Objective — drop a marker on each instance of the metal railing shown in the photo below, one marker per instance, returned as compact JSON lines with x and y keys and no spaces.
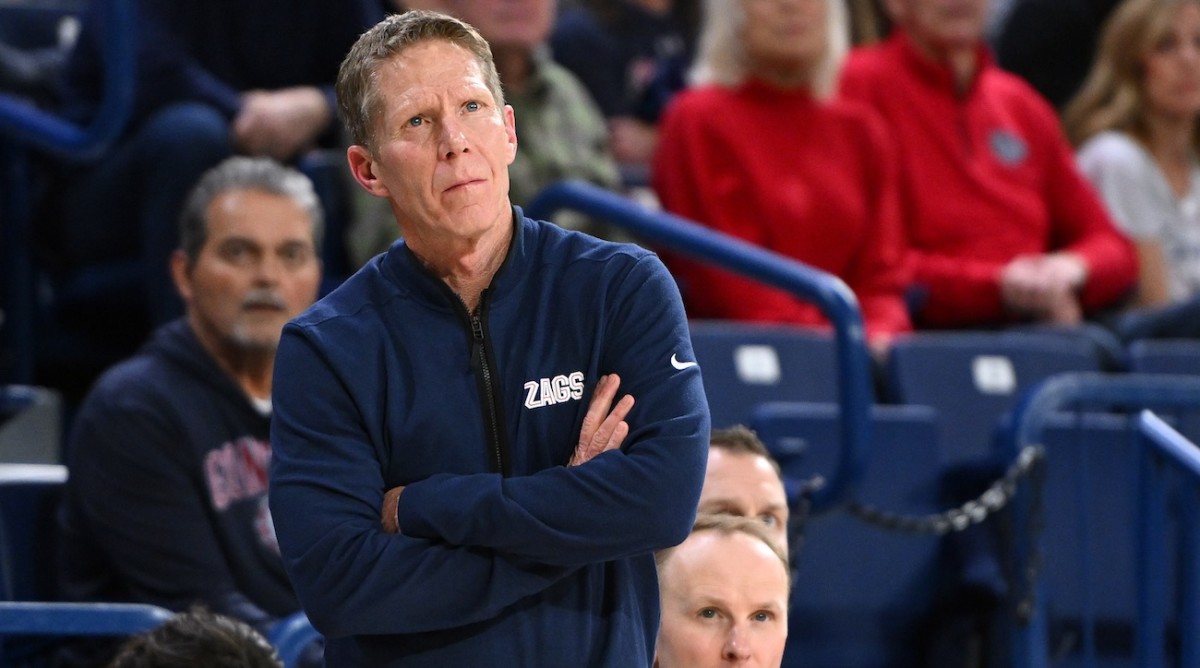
{"x":1168,"y":467}
{"x":826,"y":291}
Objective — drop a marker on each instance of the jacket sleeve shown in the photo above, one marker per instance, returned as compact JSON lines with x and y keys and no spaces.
{"x":1083,"y":225}
{"x":879,"y":273}
{"x":326,"y":492}
{"x":621,"y":503}
{"x":146,"y":508}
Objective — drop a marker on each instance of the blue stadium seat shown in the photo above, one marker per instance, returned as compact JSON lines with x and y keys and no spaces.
{"x":861,"y":592}
{"x":1100,"y":480}
{"x":1088,"y":561}
{"x":29,"y":496}
{"x":974,"y":379}
{"x":746,"y":364}
{"x":1171,"y":356}
{"x":291,"y":636}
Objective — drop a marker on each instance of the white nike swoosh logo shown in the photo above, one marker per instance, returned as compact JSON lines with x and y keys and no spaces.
{"x":680,"y":365}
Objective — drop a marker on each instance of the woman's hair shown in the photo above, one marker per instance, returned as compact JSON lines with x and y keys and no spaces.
{"x":1113,"y":95}
{"x":721,"y":55}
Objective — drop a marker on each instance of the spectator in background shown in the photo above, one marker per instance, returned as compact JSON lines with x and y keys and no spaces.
{"x":632,"y":55}
{"x":167,"y":499}
{"x":213,"y":78}
{"x":758,"y":149}
{"x":724,"y":596}
{"x":561,"y":131}
{"x":1136,"y":123}
{"x":198,"y":638}
{"x":743,"y":479}
{"x":446,"y":481}
{"x":1001,"y":225}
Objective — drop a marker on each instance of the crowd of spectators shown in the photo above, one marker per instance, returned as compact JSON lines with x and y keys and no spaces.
{"x":883,"y":142}
{"x":937,"y":184}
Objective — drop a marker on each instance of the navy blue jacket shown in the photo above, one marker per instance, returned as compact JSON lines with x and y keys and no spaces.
{"x":166,"y":502}
{"x":506,"y":556}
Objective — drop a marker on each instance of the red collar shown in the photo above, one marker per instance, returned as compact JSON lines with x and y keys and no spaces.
{"x":934,"y":72}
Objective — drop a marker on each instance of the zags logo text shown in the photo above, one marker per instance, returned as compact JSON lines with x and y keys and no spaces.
{"x":550,"y":391}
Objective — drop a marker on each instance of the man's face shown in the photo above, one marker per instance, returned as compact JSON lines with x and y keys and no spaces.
{"x":942,"y":24}
{"x":724,"y":603}
{"x":503,"y":23}
{"x":443,"y":146}
{"x":746,"y":485}
{"x":257,"y":270}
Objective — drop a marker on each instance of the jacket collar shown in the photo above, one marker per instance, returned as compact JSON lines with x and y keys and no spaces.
{"x":934,"y":72}
{"x":415,"y":279}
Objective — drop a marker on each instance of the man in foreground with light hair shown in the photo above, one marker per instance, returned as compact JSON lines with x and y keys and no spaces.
{"x":453,"y":484}
{"x":724,"y":597}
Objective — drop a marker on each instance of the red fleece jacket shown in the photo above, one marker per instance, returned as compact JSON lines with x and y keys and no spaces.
{"x":807,"y":179}
{"x":986,"y":175}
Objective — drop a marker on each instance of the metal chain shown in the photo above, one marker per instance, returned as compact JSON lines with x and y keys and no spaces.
{"x":994,"y":499}
{"x":1027,"y":466}
{"x":1025,"y":591}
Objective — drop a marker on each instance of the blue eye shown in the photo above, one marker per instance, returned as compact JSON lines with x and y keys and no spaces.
{"x":473,"y":106}
{"x":415,"y":121}
{"x":708,"y":613}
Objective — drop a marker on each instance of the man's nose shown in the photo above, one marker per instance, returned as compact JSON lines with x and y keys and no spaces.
{"x":454,"y":139}
{"x":737,"y":644}
{"x":268,"y":269}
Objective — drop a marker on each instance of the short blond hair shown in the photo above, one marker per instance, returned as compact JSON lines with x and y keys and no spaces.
{"x":731,"y":525}
{"x":359,"y":101}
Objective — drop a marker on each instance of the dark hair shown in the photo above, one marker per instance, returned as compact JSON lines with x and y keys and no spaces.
{"x":359,"y":100}
{"x":740,"y":439}
{"x":198,"y":638}
{"x":243,"y":173}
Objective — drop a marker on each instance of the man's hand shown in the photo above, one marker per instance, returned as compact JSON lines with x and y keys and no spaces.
{"x":603,"y":430}
{"x":1045,"y":286}
{"x":280,"y":123}
{"x":632,"y":141}
{"x":391,"y":499}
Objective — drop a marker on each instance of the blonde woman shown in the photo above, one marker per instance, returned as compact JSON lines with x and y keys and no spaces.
{"x":757,"y":148}
{"x":1135,"y":122}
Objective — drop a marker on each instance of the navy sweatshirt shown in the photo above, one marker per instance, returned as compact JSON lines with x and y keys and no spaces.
{"x":166,"y":501}
{"x":506,"y":556}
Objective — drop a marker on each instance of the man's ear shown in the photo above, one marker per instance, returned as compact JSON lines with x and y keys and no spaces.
{"x":180,"y":275}
{"x":510,"y":128}
{"x":362,"y":166}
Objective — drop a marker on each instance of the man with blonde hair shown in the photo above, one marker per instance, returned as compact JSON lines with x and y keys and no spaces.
{"x":453,"y":484}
